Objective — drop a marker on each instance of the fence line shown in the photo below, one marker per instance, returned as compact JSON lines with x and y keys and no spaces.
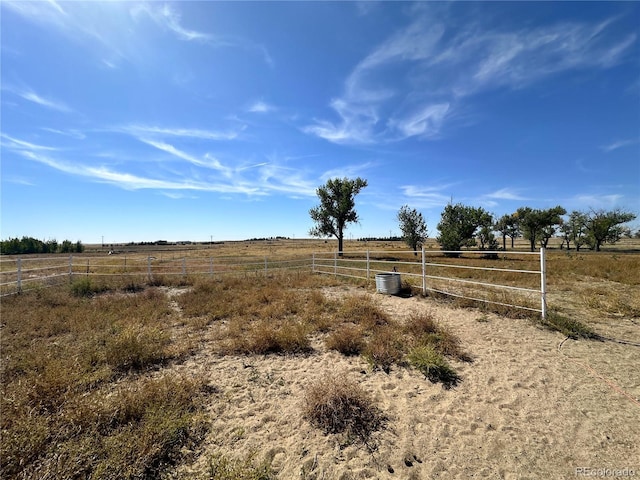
{"x":14,"y":280}
{"x":373,"y":262}
{"x":358,"y":265}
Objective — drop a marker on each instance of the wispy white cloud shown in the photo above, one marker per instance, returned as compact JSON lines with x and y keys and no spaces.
{"x":16,"y":144}
{"x":414,"y":83}
{"x":146,"y":130}
{"x":111,"y":30}
{"x":427,"y":196}
{"x":260,"y":107}
{"x":348,"y":171}
{"x":170,"y":19}
{"x":77,"y":134}
{"x":208,"y":162}
{"x":505,"y":194}
{"x":208,"y":173}
{"x":619,"y":144}
{"x":31,"y":96}
{"x":586,"y":201}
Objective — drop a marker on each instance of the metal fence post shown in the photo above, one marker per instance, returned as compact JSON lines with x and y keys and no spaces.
{"x":543,"y":283}
{"x":424,"y":274}
{"x":313,"y":262}
{"x":335,"y":263}
{"x":149,"y":268}
{"x":265,"y":265}
{"x":19,"y":275}
{"x":368,"y":267}
{"x":70,"y":268}
{"x":211,"y":266}
{"x":184,"y":266}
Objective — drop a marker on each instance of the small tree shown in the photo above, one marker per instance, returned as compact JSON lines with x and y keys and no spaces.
{"x":507,"y":225}
{"x":574,"y":229}
{"x":336,"y":209}
{"x":458,"y":225}
{"x":539,"y":225}
{"x":413,"y":227}
{"x":606,"y":227}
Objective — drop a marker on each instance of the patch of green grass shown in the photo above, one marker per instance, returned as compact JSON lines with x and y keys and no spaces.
{"x":221,"y":467}
{"x":567,"y":326}
{"x":433,"y":365}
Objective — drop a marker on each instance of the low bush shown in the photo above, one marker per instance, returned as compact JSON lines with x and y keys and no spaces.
{"x":384,"y":348}
{"x":338,"y":405}
{"x":347,"y":339}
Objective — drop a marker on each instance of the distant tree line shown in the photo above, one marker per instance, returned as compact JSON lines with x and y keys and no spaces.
{"x":24,"y":245}
{"x":463,"y":226}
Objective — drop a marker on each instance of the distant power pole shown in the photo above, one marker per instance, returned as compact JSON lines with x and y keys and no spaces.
{"x":102,"y":241}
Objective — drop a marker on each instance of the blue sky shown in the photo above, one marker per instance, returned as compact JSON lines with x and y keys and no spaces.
{"x":199,"y":120}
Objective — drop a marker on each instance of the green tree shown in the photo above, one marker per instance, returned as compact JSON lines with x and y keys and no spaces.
{"x":508,"y":226}
{"x":573,"y":229}
{"x":539,"y":225}
{"x":336,"y":209}
{"x":606,"y":226}
{"x":413,"y":227}
{"x":458,"y":226}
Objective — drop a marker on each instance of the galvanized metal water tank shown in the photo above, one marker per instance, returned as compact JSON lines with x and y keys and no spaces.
{"x":388,"y":283}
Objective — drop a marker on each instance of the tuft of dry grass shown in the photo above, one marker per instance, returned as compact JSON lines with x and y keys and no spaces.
{"x":347,"y":339}
{"x":423,"y":330}
{"x":338,"y":405}
{"x":385,"y":348}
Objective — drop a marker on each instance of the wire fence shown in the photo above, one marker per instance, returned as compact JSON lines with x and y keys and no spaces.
{"x":508,"y":278}
{"x":24,"y":274}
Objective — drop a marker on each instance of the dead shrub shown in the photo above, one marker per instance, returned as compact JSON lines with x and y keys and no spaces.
{"x":420,"y":324}
{"x":347,"y":339}
{"x":265,"y":336}
{"x":362,"y":310}
{"x":384,"y":348}
{"x":338,"y":405}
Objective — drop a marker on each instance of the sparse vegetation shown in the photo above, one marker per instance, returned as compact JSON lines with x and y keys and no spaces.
{"x":336,"y":404}
{"x":87,"y":388}
{"x":433,"y":365}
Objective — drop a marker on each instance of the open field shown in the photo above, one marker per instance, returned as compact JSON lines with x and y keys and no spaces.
{"x":226,"y":377}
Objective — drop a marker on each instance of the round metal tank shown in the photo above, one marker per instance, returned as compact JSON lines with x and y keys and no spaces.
{"x":388,"y":283}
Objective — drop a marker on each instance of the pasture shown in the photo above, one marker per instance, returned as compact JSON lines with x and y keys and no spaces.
{"x":288,"y":374}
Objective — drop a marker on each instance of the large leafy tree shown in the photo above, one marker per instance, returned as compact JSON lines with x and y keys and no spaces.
{"x":458,"y":226}
{"x":606,"y":226}
{"x":413,"y":227}
{"x":336,"y":209}
{"x":539,"y":225}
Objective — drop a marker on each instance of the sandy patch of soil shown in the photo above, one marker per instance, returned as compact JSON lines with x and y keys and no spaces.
{"x":531,"y":405}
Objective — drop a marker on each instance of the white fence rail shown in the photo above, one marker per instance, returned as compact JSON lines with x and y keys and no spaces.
{"x":23,"y":274}
{"x":441,"y":277}
{"x":492,"y":280}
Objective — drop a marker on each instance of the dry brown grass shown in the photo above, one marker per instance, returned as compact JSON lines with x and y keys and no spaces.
{"x":73,"y":402}
{"x":336,"y":404}
{"x":84,"y":387}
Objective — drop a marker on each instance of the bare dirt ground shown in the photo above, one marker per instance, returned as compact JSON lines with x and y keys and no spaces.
{"x":532,"y":404}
